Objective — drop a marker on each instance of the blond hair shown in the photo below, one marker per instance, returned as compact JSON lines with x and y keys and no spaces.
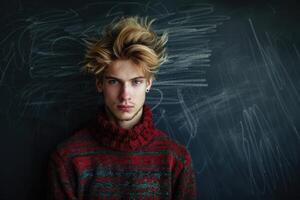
{"x":128,"y":38}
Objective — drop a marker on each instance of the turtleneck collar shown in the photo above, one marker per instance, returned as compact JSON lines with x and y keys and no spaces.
{"x":113,"y":136}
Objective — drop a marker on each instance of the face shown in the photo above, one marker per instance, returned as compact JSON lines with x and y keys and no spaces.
{"x":124,"y":91}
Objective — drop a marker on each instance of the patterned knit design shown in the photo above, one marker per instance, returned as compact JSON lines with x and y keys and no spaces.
{"x":104,"y":161}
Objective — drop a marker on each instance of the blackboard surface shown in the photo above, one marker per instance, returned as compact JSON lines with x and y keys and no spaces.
{"x":230,"y":91}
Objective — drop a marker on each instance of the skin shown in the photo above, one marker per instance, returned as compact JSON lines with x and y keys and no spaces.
{"x":124,"y":84}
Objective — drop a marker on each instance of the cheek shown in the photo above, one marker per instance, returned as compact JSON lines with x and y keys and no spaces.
{"x":110,"y":92}
{"x":140,"y":94}
{"x":138,"y":91}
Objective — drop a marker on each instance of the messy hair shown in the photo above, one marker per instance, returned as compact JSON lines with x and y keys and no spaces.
{"x":128,"y":38}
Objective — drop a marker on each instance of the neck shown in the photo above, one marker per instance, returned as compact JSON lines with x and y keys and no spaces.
{"x":126,"y":124}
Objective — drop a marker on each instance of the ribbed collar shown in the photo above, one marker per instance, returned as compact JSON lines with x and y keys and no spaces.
{"x":113,"y":136}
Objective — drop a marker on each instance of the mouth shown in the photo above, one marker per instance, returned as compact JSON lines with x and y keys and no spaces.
{"x":124,"y":108}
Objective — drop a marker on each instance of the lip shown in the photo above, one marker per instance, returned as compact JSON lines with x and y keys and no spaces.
{"x":124,"y":108}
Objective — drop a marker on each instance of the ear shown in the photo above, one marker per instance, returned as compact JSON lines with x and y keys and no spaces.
{"x":99,"y":85}
{"x":149,"y":83}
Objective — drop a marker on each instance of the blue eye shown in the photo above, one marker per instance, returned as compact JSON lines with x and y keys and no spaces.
{"x":112,"y":82}
{"x":137,"y":82}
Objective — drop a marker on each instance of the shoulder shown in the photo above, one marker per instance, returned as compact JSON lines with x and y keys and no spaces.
{"x":173,"y":147}
{"x":78,"y":143}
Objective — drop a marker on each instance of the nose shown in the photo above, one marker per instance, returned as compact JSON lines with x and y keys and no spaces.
{"x":125,"y":93}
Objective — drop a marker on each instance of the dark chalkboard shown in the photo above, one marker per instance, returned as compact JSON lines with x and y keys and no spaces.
{"x":229,"y":91}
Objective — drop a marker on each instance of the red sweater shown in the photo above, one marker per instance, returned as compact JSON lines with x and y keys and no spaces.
{"x":104,"y":161}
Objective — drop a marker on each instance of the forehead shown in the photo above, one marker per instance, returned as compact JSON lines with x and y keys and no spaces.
{"x":124,"y":69}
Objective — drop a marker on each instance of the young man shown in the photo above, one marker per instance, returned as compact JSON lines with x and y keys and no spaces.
{"x":121,"y":155}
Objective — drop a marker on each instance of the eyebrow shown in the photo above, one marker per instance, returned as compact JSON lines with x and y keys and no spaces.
{"x":112,"y":77}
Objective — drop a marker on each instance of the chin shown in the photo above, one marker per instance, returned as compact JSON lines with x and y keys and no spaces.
{"x":127,"y":115}
{"x":124,"y":116}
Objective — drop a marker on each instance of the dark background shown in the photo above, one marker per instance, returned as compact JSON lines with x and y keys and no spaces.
{"x":229,"y":92}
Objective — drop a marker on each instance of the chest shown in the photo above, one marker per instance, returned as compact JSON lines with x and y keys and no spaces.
{"x":130,"y":176}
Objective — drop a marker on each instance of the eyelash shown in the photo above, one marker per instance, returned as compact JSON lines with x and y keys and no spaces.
{"x":134,"y":82}
{"x":112,"y":82}
{"x":137,"y":82}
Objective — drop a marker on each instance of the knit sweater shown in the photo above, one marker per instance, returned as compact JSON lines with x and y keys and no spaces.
{"x":105,"y":161}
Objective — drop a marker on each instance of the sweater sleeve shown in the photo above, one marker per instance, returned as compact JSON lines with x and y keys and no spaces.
{"x":61,"y":179}
{"x":185,"y":185}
